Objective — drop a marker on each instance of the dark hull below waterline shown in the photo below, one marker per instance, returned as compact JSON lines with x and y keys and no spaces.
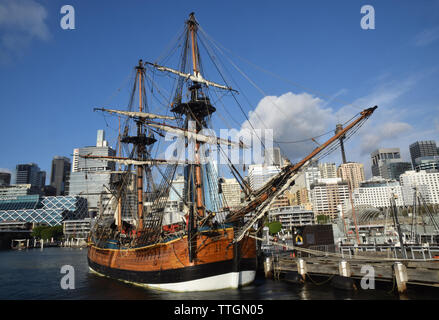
{"x":181,"y":275}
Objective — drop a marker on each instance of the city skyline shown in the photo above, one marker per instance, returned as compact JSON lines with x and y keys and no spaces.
{"x":397,"y":73}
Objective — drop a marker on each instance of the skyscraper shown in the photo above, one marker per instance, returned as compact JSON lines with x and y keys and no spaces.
{"x":258,"y":175}
{"x":59,"y":174}
{"x":387,"y":163}
{"x":5,"y":178}
{"x":273,"y":157}
{"x":422,"y":149}
{"x":30,"y":174}
{"x":91,"y":178}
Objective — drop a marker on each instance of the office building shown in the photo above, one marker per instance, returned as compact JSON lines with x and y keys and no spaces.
{"x":258,"y":175}
{"x":291,"y":216}
{"x":422,"y":149}
{"x":387,"y":163}
{"x":429,"y":164}
{"x":15,"y":190}
{"x":177,"y":189}
{"x":5,"y":179}
{"x":352,"y":172}
{"x":30,"y":174}
{"x":74,"y":229}
{"x":59,"y":174}
{"x":90,"y":178}
{"x":273,"y":157}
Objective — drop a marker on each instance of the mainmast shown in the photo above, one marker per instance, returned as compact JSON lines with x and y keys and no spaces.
{"x":195,"y":110}
{"x":140,"y":151}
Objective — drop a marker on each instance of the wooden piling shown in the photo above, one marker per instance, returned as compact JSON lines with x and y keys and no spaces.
{"x":268,"y":264}
{"x":401,"y":276}
{"x":301,"y":268}
{"x":344,"y":269}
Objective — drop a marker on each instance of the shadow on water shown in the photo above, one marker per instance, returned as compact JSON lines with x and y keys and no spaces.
{"x":35,"y":274}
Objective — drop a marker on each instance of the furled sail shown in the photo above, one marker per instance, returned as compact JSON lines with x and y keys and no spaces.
{"x":136,"y":114}
{"x":197,"y":136}
{"x":129,"y":161}
{"x":196,"y":78}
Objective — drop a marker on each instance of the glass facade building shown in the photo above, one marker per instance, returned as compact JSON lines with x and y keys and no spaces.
{"x":45,"y":210}
{"x":59,"y":174}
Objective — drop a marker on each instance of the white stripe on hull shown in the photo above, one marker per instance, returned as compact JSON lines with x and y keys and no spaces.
{"x":222,"y":281}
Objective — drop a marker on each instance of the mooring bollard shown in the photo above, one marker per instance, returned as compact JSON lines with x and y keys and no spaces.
{"x":401,"y":276}
{"x":268,"y":267}
{"x":301,"y":268}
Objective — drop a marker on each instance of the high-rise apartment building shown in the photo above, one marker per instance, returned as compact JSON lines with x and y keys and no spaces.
{"x":59,"y":174}
{"x":231,"y":191}
{"x":422,"y":149}
{"x":328,"y":170}
{"x":352,"y":172}
{"x":376,"y":192}
{"x":423,"y":180}
{"x":328,"y":196}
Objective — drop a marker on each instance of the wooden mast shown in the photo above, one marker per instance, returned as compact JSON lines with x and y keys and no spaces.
{"x":119,"y":200}
{"x":140,"y":153}
{"x":192,"y":24}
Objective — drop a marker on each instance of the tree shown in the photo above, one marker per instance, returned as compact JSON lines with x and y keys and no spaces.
{"x":47,"y":232}
{"x":322,"y":219}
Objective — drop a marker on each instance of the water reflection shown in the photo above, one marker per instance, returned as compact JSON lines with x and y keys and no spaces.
{"x":35,"y":274}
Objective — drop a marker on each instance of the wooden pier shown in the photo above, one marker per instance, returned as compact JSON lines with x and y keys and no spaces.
{"x":425,"y":273}
{"x":297,"y":265}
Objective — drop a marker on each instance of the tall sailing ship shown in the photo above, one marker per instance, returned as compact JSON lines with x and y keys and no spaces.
{"x":208,"y":247}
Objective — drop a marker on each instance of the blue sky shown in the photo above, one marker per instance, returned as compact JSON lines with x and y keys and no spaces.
{"x":51,"y":79}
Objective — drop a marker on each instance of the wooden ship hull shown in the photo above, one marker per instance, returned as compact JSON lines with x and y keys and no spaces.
{"x":218,"y":263}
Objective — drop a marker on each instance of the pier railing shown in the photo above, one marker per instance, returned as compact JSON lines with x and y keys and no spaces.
{"x":344,"y":263}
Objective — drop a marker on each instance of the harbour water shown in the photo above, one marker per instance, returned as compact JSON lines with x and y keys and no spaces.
{"x":35,"y":274}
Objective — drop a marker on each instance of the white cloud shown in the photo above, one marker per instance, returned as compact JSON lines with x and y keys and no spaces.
{"x":292,"y":117}
{"x":427,"y":37}
{"x":21,"y":21}
{"x":383,"y":133}
{"x":295,"y":117}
